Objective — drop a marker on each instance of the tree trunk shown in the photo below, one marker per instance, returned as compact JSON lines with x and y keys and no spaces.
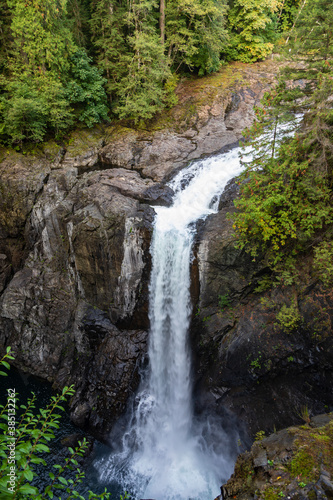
{"x":162,"y":20}
{"x":298,"y":13}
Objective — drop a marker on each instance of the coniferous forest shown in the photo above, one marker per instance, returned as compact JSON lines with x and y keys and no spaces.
{"x":70,"y":62}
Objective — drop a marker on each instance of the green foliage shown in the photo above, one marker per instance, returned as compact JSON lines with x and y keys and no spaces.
{"x":132,"y":58}
{"x":285,"y":202}
{"x":5,"y":22}
{"x":141,"y":92}
{"x":260,"y":435}
{"x":30,"y":439}
{"x":170,"y":86}
{"x":287,"y":14}
{"x":224,"y":301}
{"x":84,"y":89}
{"x":312,"y":38}
{"x":50,"y":82}
{"x":4,"y":363}
{"x":289,"y":317}
{"x":255,"y":363}
{"x":323,"y":262}
{"x":45,"y":46}
{"x":42,"y":40}
{"x":31,"y":106}
{"x":195,"y":33}
{"x":109,"y":28}
{"x":252,"y":26}
{"x":304,"y":414}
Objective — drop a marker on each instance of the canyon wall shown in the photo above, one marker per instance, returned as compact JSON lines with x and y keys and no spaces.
{"x":75,"y":229}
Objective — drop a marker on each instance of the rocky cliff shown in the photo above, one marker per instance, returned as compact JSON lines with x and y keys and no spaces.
{"x":75,"y":229}
{"x":262,"y":364}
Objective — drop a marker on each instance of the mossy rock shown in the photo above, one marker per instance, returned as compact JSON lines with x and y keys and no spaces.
{"x":299,"y":464}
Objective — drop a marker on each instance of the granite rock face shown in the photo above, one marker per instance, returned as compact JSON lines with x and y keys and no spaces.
{"x":72,"y":244}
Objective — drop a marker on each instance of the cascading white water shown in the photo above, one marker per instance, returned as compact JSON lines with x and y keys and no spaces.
{"x":164,"y":454}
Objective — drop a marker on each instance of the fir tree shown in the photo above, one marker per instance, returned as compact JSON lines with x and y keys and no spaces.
{"x":195,"y":34}
{"x":44,"y":62}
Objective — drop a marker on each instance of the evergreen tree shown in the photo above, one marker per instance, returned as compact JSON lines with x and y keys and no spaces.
{"x":127,"y":39}
{"x":84,"y":89}
{"x":43,"y":65}
{"x":313,"y":38}
{"x":141,"y":91}
{"x":108,"y":28}
{"x":195,"y":33}
{"x":79,"y":17}
{"x":42,"y":40}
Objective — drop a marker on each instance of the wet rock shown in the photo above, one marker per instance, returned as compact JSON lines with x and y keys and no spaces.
{"x":229,"y":194}
{"x":155,"y":156}
{"x":106,"y":373}
{"x":130,"y":183}
{"x":158,"y":195}
{"x":210,"y":127}
{"x":327,"y":486}
{"x":21,"y":181}
{"x":72,"y":441}
{"x":5,"y":271}
{"x":85,"y":243}
{"x":242,"y":353}
{"x":259,"y":457}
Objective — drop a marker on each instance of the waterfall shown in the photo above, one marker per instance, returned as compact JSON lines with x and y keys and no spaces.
{"x":165,"y":454}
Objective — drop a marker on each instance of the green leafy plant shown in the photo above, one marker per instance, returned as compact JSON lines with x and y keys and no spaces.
{"x":252,"y":29}
{"x":323,"y":262}
{"x":224,"y":301}
{"x":289,"y":317}
{"x":29,"y":439}
{"x":256,"y":363}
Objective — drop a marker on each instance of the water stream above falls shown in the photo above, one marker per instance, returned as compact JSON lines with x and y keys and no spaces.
{"x":165,"y":453}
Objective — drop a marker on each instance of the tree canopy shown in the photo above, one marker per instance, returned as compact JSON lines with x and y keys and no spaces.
{"x":69,"y":62}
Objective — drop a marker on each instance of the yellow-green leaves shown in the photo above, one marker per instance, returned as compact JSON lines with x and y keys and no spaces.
{"x":252,"y":25}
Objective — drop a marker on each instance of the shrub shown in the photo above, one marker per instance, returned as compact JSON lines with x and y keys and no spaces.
{"x":30,"y":438}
